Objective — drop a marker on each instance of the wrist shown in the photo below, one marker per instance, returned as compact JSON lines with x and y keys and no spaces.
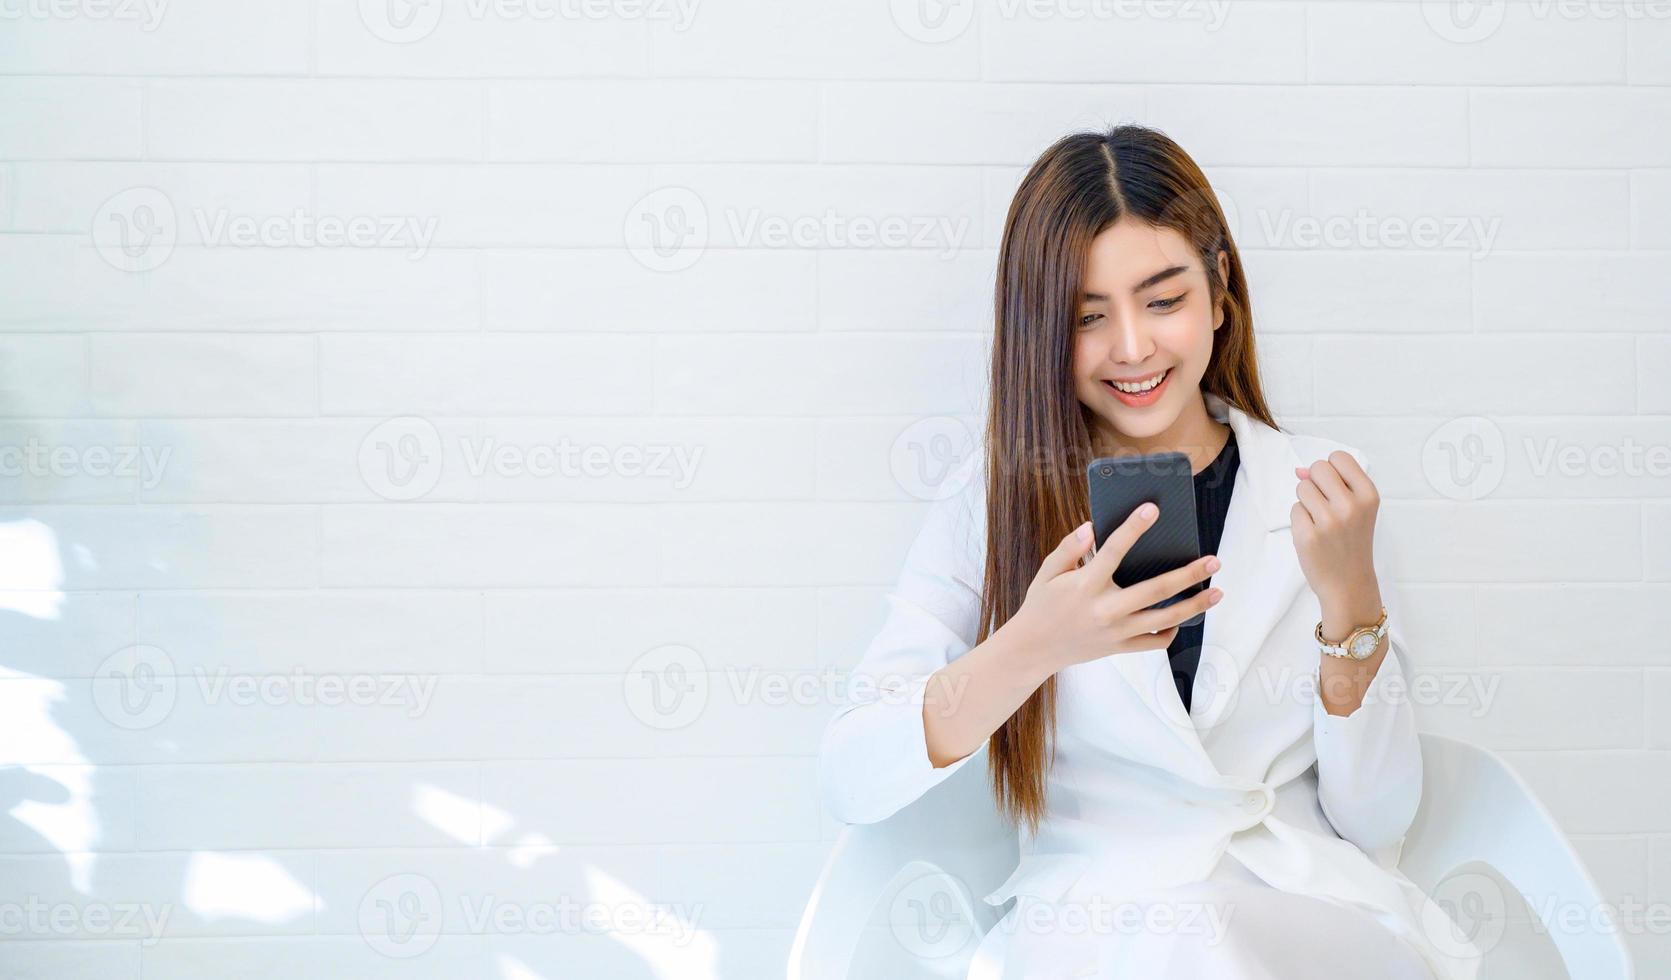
{"x":1022,"y":654}
{"x":1346,"y":611}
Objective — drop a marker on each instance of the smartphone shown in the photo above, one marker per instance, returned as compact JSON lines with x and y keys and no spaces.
{"x":1118,"y":486}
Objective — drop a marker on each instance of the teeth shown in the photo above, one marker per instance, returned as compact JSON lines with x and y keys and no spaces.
{"x":1140,"y":387}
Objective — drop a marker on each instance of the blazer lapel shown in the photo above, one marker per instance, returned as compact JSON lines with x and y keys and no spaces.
{"x":1260,"y":577}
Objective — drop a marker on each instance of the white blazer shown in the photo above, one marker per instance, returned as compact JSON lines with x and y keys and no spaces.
{"x":1142,"y":794}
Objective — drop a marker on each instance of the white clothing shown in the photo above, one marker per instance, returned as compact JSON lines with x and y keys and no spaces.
{"x":1257,"y":799}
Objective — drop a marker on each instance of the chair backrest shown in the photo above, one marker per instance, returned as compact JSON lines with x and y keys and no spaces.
{"x":1482,"y":845}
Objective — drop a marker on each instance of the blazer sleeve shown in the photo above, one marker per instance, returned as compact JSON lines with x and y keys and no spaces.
{"x":873,"y":758}
{"x":1369,"y":763}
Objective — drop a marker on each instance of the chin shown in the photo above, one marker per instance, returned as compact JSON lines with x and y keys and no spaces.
{"x":1134,"y":424}
{"x":1147,"y":429}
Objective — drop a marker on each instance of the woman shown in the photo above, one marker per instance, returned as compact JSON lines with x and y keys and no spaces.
{"x":1235,"y":773}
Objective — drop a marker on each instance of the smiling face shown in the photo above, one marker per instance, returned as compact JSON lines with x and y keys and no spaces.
{"x":1145,"y":316}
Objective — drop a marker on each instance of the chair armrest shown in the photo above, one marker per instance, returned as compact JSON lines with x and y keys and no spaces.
{"x":953,"y":829}
{"x":1477,"y":811}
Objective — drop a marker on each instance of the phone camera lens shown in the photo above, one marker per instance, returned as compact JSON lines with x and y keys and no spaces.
{"x":1107,"y":470}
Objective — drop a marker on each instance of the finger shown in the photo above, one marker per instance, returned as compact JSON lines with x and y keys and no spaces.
{"x":1300,"y":519}
{"x":1065,"y":556}
{"x":1175,"y":614}
{"x":1315,"y":503}
{"x":1152,"y":590}
{"x":1352,"y":472}
{"x":1147,"y":641}
{"x":1113,"y":551}
{"x":1328,"y":480}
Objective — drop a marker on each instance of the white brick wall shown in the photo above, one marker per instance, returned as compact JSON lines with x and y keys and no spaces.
{"x":381,"y":673}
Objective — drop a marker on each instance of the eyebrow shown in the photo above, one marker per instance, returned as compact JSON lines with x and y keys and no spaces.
{"x":1145,"y":284}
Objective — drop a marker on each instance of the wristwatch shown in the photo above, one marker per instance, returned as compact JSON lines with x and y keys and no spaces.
{"x":1359,"y":644}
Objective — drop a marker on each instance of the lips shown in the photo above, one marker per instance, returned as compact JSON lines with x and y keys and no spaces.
{"x":1140,"y":399}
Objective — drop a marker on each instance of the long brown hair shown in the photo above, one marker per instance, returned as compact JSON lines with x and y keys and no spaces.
{"x":1038,"y":439}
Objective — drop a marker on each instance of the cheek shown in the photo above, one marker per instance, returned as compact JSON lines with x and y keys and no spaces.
{"x":1189,"y":334}
{"x":1084,"y":355}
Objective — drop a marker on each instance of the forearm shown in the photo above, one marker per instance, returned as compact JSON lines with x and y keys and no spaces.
{"x":968,"y":699}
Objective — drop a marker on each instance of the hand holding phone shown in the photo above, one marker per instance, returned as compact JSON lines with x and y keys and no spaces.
{"x":1118,"y":485}
{"x":1075,"y":613}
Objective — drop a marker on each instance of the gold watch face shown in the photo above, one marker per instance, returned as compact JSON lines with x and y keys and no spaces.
{"x":1364,"y":644}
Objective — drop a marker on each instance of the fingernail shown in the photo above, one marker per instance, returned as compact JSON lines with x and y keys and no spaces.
{"x":1212,"y":564}
{"x":1083,"y":531}
{"x":1147,"y":511}
{"x":1216,"y":596}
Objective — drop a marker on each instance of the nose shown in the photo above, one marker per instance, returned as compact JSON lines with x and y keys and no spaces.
{"x":1131,"y":343}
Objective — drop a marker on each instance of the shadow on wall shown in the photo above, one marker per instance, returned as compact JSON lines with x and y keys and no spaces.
{"x":165,"y":806}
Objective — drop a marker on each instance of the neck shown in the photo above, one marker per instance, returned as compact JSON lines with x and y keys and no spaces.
{"x":1194,"y":432}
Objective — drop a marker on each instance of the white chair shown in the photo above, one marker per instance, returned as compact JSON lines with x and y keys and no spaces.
{"x":1482,"y":846}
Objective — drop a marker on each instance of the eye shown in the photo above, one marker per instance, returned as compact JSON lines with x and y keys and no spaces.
{"x":1089,"y":318}
{"x":1167,"y":305}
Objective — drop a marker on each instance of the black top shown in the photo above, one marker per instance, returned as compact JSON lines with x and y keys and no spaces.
{"x":1212,"y":503}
